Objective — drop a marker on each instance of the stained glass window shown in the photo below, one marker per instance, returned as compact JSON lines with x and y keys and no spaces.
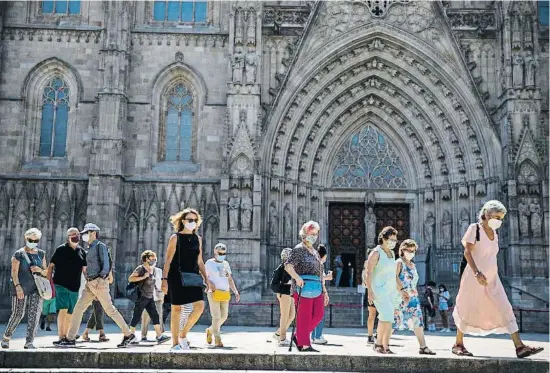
{"x":368,"y":160}
{"x":178,"y":126}
{"x":180,"y":11}
{"x":61,"y":7}
{"x":55,"y":114}
{"x":543,"y":12}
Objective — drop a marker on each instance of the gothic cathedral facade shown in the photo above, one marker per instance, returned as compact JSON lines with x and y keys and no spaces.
{"x":263,"y":115}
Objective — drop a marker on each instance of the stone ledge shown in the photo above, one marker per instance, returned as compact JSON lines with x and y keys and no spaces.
{"x":227,"y":361}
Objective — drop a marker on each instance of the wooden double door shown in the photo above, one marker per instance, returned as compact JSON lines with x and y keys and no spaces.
{"x":348,"y":234}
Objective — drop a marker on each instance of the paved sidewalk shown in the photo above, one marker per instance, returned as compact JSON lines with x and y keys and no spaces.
{"x":345,"y":341}
{"x":253,"y":348}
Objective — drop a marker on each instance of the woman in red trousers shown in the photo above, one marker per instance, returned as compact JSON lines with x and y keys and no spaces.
{"x":304,"y":266}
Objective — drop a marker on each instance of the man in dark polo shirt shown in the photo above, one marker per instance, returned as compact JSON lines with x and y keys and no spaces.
{"x":66,"y":265}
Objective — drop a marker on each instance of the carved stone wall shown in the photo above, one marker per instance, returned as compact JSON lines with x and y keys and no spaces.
{"x":446,"y":103}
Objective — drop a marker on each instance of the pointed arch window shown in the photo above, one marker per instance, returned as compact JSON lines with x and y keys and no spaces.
{"x":55,"y":115}
{"x":180,"y":11}
{"x":61,"y":7}
{"x":178,"y":125}
{"x":543,"y":12}
{"x":368,"y":160}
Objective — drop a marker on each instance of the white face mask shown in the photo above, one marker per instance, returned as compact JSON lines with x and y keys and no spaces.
{"x":495,"y":223}
{"x":85,"y":237}
{"x":391,"y":244}
{"x":409,"y":256}
{"x":32,"y":245}
{"x":190,"y":226}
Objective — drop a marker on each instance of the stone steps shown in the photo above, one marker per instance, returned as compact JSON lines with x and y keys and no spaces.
{"x":224,"y":361}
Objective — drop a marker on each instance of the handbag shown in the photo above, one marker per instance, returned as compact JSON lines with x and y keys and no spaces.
{"x":42,"y":283}
{"x":221,"y":296}
{"x":312,"y":286}
{"x":133,"y":291}
{"x":189,"y":279}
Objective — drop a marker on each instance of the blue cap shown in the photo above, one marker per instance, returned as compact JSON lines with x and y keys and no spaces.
{"x":90,"y":227}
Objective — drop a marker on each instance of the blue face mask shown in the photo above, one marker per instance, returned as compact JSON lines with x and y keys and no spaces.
{"x":221,"y":258}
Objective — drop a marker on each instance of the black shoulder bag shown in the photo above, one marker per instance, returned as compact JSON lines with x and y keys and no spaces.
{"x":189,"y":279}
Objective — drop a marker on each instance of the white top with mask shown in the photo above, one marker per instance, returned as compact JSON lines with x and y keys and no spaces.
{"x":218,"y":273}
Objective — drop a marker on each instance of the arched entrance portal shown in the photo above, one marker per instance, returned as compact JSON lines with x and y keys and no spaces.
{"x":376,"y":120}
{"x":370,"y":162}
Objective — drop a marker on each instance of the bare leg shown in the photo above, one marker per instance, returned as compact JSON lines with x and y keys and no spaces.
{"x":459,"y":338}
{"x":516,"y":339}
{"x":61,"y":324}
{"x":419,"y":332}
{"x":175,"y":324}
{"x":370,"y":321}
{"x":198,"y":308}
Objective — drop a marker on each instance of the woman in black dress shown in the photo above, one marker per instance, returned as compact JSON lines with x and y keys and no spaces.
{"x":184,"y":254}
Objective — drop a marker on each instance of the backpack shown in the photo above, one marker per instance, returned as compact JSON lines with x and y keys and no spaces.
{"x":464,"y":262}
{"x":450,"y":302}
{"x":133,"y":291}
{"x":277,"y":279}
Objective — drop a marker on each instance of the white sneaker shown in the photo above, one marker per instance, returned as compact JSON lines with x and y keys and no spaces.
{"x":29,"y":346}
{"x":176,"y":348}
{"x":184,"y":345}
{"x":284,"y":343}
{"x":320,"y":341}
{"x":276,"y":336}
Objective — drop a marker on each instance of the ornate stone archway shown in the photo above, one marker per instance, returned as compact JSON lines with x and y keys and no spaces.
{"x":418,"y":97}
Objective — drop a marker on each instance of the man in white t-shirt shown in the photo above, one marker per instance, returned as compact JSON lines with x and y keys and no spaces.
{"x":218,"y":272}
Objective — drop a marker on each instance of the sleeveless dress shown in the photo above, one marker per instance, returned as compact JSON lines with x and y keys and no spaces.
{"x":409,"y":314}
{"x":185,"y":258}
{"x":483,"y":310}
{"x":385,"y":286}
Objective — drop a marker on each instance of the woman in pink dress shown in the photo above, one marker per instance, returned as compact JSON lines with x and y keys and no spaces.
{"x":482,"y":307}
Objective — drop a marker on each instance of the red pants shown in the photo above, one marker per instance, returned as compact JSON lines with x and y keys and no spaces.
{"x":309,"y":314}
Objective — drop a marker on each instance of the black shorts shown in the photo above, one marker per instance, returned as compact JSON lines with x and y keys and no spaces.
{"x":366,"y":300}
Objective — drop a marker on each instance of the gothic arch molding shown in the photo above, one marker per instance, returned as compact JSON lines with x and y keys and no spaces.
{"x":408,"y":159}
{"x":164,"y":81}
{"x":455,"y":92}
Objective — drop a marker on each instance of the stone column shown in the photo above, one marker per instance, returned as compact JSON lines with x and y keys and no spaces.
{"x":241,"y":181}
{"x":106,"y":158}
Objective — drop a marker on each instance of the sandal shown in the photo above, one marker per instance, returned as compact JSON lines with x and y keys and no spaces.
{"x":86,"y":338}
{"x":426,"y":351}
{"x":389,"y":352}
{"x":525,"y":351}
{"x":460,"y":350}
{"x":103,"y":338}
{"x":379,"y":349}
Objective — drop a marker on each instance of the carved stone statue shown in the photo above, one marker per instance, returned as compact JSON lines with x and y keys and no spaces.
{"x":301,"y":216}
{"x":531,"y":67}
{"x":237,"y":63}
{"x":429,"y":225}
{"x":239,"y":26}
{"x":251,"y":27}
{"x":251,"y":62}
{"x":273,"y":221}
{"x":536,"y":219}
{"x":287,"y":223}
{"x":246,"y":212}
{"x":370,"y":227}
{"x":447,"y":227}
{"x":523,"y":215}
{"x":517,"y":71}
{"x":233,"y":207}
{"x":464,"y":221}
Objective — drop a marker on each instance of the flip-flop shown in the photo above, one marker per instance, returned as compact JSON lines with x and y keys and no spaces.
{"x":103,"y":338}
{"x":426,"y":351}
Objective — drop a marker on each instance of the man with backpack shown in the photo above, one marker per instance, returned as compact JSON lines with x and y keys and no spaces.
{"x":99,"y":266}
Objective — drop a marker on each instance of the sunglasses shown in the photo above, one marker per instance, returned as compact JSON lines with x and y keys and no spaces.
{"x":221,"y":253}
{"x":33,"y":241}
{"x":191,"y":220}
